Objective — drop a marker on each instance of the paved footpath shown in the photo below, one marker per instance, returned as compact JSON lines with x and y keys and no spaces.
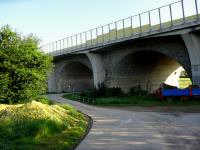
{"x":118,"y":129}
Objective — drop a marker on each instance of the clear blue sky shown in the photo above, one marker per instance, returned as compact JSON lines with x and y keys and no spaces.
{"x":55,"y":19}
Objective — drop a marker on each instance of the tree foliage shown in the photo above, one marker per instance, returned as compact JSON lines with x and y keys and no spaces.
{"x":23,"y":67}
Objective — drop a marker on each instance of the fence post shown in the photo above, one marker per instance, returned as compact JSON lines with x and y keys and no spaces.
{"x":183,"y":11}
{"x":140,"y":24}
{"x":160,"y":19}
{"x":109,"y":31}
{"x":197,"y":12}
{"x":97,"y":35}
{"x":123,"y":29}
{"x":91,"y":36}
{"x":102,"y":35}
{"x":116,"y":30}
{"x":67,"y":42}
{"x":131,"y":26}
{"x":149,"y":21}
{"x":81,"y":39}
{"x":170,"y":9}
{"x":86,"y":39}
{"x":76,"y":40}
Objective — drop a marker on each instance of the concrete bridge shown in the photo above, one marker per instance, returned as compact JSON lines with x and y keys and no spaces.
{"x":139,"y":50}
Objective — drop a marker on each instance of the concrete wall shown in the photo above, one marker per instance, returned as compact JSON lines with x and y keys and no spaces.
{"x":192,"y":42}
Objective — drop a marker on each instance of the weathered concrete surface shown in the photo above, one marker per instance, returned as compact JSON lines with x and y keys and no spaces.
{"x":192,"y":42}
{"x":73,"y":73}
{"x":117,"y":129}
{"x":97,"y":67}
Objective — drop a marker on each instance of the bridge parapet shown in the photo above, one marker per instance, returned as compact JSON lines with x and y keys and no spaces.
{"x":177,"y":15}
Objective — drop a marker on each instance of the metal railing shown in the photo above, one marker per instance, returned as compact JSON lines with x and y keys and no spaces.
{"x":159,"y":19}
{"x":86,"y":100}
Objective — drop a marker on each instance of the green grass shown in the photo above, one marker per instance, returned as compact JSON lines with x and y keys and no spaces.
{"x":36,"y":126}
{"x":146,"y":100}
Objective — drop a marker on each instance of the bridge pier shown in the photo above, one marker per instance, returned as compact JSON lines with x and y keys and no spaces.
{"x":192,"y":42}
{"x":52,"y":88}
{"x":97,"y":68}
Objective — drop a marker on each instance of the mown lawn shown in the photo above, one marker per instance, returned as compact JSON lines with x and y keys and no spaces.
{"x":146,"y":100}
{"x":37,"y":126}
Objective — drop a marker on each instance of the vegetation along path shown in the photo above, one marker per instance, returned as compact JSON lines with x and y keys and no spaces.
{"x":118,"y":129}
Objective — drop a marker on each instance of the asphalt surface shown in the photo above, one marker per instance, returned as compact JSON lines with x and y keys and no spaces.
{"x":127,"y":129}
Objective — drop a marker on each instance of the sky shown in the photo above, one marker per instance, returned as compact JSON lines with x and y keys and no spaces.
{"x":52,"y":20}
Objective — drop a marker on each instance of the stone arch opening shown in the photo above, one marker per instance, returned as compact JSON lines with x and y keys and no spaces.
{"x":75,"y":77}
{"x":148,"y":69}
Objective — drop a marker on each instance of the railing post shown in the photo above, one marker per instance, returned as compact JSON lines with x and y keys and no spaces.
{"x":170,"y":9}
{"x":197,"y":12}
{"x":183,"y":11}
{"x":91,"y":36}
{"x":149,"y":13}
{"x":63,"y":43}
{"x":76,"y":40}
{"x":56,"y":46}
{"x":71,"y":43}
{"x":86,"y":39}
{"x":123,"y":28}
{"x":116,"y":31}
{"x":160,"y":19}
{"x":131,"y":25}
{"x":140,"y":24}
{"x":81,"y":39}
{"x":60,"y":45}
{"x":49,"y":47}
{"x":67,"y":42}
{"x":109,"y":31}
{"x":53,"y":47}
{"x":102,"y":35}
{"x":97,"y":35}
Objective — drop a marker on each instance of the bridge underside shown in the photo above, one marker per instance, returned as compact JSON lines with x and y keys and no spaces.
{"x":146,"y":69}
{"x":75,"y":77}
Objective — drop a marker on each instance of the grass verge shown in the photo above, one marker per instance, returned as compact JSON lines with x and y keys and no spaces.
{"x":40,"y":126}
{"x":146,"y":100}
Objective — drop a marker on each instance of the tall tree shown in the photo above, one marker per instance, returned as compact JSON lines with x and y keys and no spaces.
{"x":23,"y":67}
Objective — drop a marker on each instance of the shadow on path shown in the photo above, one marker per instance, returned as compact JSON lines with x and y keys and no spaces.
{"x":117,"y":129}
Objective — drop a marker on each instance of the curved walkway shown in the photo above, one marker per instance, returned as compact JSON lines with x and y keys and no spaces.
{"x":116,"y":129}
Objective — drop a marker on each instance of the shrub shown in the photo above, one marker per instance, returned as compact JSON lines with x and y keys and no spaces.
{"x":23,"y":67}
{"x":114,"y":92}
{"x":44,"y":100}
{"x":137,"y":91}
{"x":101,"y":90}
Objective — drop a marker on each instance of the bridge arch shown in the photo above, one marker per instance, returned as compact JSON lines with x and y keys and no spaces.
{"x":147,"y":68}
{"x":72,"y":74}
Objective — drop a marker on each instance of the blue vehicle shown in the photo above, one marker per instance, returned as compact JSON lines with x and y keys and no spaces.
{"x":180,"y":92}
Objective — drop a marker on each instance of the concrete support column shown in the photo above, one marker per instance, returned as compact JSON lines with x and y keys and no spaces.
{"x":97,"y":68}
{"x":192,"y":42}
{"x":52,"y":83}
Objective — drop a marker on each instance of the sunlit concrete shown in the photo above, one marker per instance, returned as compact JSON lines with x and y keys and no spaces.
{"x":147,"y":69}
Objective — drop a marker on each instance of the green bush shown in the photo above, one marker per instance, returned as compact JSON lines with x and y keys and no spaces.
{"x":137,"y":91}
{"x":103,"y":91}
{"x":44,"y":100}
{"x":23,"y":67}
{"x":114,"y":92}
